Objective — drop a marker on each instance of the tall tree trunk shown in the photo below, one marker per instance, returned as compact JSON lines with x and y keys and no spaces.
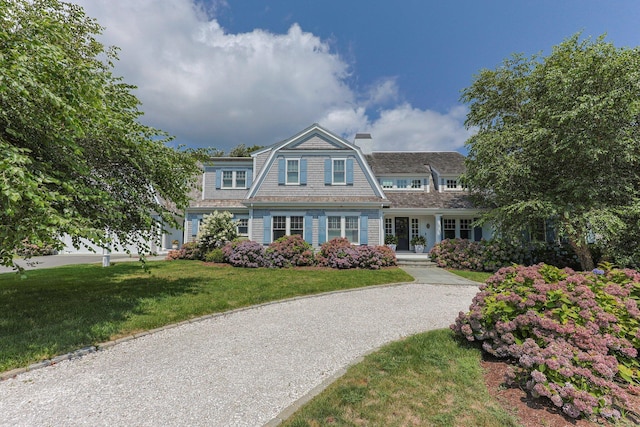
{"x":582,"y":251}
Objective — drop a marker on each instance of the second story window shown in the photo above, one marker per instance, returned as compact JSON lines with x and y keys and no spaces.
{"x":293,"y":171}
{"x":401,"y":183}
{"x":416,"y":184}
{"x":234,"y":179}
{"x":452,"y":184}
{"x":339,"y":176}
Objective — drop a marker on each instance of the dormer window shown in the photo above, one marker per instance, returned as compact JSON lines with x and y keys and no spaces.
{"x":234,"y":179}
{"x":416,"y":184}
{"x":339,"y":171}
{"x":293,"y":171}
{"x":452,"y":184}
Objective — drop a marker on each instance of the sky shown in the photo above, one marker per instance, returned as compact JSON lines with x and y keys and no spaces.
{"x":216,"y":73}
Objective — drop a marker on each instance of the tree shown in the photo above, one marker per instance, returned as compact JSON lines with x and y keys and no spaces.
{"x":243,"y":151}
{"x":558,"y":138}
{"x":73,"y":156}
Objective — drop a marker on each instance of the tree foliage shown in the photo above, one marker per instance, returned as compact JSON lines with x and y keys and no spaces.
{"x":73,"y":156}
{"x":558,"y":138}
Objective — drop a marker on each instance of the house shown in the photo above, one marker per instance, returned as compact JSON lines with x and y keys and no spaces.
{"x":321,"y":186}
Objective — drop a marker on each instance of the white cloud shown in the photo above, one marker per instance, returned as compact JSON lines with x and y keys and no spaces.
{"x":212,"y":88}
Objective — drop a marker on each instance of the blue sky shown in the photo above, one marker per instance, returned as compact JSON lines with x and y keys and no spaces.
{"x":221,"y":73}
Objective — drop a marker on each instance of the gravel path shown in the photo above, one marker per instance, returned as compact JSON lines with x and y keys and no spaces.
{"x":238,"y":369}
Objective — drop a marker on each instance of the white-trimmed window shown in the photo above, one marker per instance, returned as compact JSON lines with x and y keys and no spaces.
{"x":388,"y":226}
{"x":387,"y":183}
{"x":287,"y":226}
{"x":452,"y":184}
{"x":416,"y":184}
{"x":465,"y":228}
{"x":449,"y":228}
{"x":293,"y":171}
{"x":344,"y":226}
{"x":234,"y":179}
{"x":415,"y":227}
{"x":339,"y":171}
{"x":402,"y":183}
{"x":243,"y":226}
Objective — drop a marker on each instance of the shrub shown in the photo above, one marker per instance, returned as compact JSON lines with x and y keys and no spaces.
{"x":290,"y":251}
{"x":30,"y":249}
{"x":246,"y":254}
{"x":340,"y":253}
{"x":574,"y":336}
{"x":189,"y":250}
{"x":215,"y":255}
{"x":491,"y":255}
{"x":216,"y":230}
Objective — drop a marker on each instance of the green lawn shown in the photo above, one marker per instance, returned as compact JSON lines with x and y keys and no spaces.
{"x":476,"y":276}
{"x":54,"y":311}
{"x":430,"y":379}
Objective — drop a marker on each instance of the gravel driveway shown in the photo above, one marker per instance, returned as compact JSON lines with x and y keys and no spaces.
{"x":238,"y":369}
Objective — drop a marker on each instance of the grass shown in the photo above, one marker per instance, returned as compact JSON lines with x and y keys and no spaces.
{"x":476,"y":276}
{"x":429,"y":379}
{"x":54,"y":311}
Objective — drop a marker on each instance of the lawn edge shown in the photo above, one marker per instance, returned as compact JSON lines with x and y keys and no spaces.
{"x":13,"y":373}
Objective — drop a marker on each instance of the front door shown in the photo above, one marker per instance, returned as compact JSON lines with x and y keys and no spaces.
{"x":402,"y":232}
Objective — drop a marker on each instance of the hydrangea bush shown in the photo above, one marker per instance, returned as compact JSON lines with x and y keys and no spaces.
{"x":490,"y":255}
{"x":216,"y":230}
{"x":573,"y":336}
{"x":245,"y":253}
{"x":189,"y":250}
{"x":290,"y":251}
{"x":340,"y":253}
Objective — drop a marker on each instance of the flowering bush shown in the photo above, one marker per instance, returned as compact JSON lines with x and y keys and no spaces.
{"x":216,"y":230}
{"x":340,"y":253}
{"x":30,"y":249}
{"x":245,"y":253}
{"x":490,"y":255}
{"x":189,"y":250}
{"x":290,"y":251}
{"x":574,"y":336}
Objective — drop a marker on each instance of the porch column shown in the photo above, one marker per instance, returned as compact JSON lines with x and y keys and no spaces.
{"x":438,"y":228}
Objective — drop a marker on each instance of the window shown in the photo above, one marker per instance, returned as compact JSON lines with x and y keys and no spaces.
{"x":243,"y":226}
{"x":401,"y":183}
{"x":415,"y":227}
{"x":234,"y":179}
{"x":449,"y":228}
{"x":465,"y":228}
{"x":287,"y":226}
{"x":388,"y":226}
{"x":339,"y":176}
{"x":227,"y":179}
{"x":387,"y":183}
{"x":241,"y":179}
{"x":344,"y":226}
{"x":293,"y":171}
{"x":416,"y":183}
{"x":452,"y":184}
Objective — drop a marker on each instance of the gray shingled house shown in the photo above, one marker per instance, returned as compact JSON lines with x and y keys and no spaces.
{"x":321,"y":186}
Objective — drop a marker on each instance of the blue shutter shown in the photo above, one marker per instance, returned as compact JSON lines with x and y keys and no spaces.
{"x":308,"y":229}
{"x":327,"y":172}
{"x":477,"y":233}
{"x":349,"y":171}
{"x":218,"y":179}
{"x":249,"y":177}
{"x":266,"y":228}
{"x":322,"y":229}
{"x":281,"y":171}
{"x":364,"y":230}
{"x":303,"y":171}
